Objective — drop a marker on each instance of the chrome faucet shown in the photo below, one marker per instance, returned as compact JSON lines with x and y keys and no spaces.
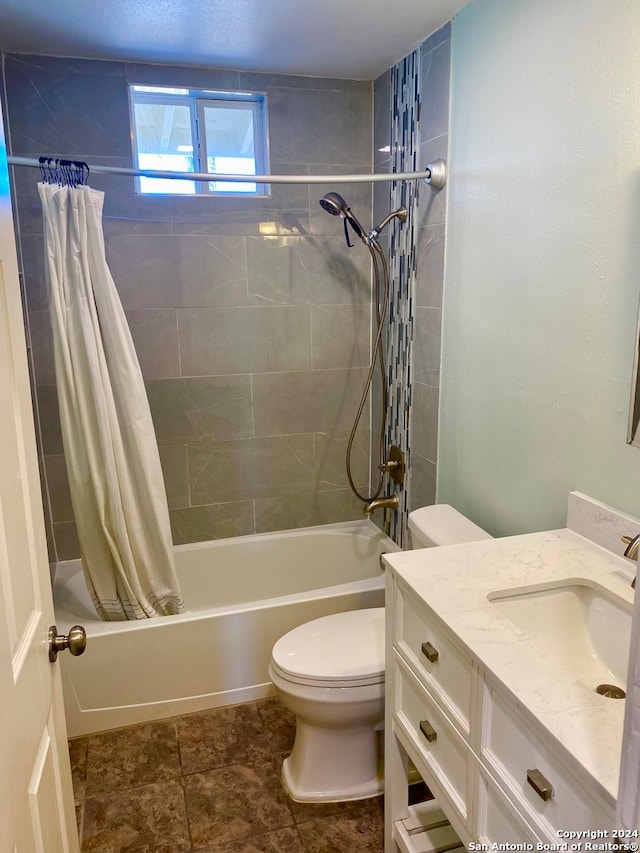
{"x":631,"y":551}
{"x":390,"y":502}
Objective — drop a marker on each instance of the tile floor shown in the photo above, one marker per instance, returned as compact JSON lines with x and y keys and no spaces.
{"x":208,"y":783}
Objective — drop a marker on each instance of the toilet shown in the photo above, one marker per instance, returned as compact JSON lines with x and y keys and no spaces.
{"x":330,"y":673}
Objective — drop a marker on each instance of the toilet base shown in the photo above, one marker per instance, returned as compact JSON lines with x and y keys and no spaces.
{"x":329,"y":765}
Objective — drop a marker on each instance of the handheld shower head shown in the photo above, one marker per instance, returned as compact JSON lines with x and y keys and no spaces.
{"x":334,"y":204}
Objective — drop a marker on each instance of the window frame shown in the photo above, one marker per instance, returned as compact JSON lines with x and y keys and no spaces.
{"x":197,"y":100}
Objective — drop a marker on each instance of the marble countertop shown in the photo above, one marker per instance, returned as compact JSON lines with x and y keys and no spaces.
{"x":454,"y":582}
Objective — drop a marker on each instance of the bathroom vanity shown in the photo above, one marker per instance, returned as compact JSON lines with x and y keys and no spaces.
{"x":494,"y":653}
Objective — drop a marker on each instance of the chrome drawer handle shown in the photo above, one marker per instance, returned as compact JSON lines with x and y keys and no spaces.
{"x":428,"y":731}
{"x":540,"y":784}
{"x":429,"y":652}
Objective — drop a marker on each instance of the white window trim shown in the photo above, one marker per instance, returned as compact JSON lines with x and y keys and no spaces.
{"x":197,"y":100}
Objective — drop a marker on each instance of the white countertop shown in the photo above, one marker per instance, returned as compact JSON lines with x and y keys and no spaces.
{"x":454,"y":582}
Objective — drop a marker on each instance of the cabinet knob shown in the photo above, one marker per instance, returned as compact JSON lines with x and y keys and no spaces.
{"x":540,"y":784}
{"x":430,"y":652}
{"x":428,"y":731}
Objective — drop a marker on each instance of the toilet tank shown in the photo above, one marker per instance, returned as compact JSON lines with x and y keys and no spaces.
{"x":441,"y":524}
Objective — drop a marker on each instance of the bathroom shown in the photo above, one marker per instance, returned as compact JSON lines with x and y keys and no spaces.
{"x":525,"y":316}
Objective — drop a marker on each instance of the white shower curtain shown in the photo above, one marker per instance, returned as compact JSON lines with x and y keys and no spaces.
{"x":117,"y":489}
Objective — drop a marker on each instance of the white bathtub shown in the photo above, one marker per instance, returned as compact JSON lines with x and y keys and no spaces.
{"x":241,"y":595}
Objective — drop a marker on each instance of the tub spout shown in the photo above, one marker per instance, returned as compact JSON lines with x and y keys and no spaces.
{"x":390,"y":502}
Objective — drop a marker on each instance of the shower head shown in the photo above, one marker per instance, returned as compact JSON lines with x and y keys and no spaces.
{"x":334,"y":204}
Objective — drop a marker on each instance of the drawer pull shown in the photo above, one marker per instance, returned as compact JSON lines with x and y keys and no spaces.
{"x":540,"y":785}
{"x":429,"y":652}
{"x":428,"y":731}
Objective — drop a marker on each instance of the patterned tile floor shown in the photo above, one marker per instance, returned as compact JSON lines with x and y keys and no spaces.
{"x":208,"y":783}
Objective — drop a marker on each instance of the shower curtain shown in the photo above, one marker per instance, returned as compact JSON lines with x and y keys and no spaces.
{"x":116,"y":483}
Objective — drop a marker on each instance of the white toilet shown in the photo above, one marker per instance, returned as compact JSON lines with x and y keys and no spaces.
{"x":330,"y":674}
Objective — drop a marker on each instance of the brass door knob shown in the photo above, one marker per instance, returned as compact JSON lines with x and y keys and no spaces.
{"x":75,"y":641}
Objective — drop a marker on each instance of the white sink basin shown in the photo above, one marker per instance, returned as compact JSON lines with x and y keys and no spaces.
{"x":581,"y":627}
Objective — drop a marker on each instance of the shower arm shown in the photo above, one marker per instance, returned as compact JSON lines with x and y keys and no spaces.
{"x":400,"y":213}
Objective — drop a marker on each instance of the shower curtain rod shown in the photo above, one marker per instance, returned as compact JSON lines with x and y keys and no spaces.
{"x":434,"y":175}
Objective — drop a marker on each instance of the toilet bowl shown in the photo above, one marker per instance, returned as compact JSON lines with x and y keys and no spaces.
{"x":330,"y":674}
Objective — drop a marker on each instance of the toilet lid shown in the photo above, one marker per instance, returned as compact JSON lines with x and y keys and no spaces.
{"x":345,"y":647}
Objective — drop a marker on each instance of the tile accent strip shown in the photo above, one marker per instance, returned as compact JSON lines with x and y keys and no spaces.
{"x":404,"y":142}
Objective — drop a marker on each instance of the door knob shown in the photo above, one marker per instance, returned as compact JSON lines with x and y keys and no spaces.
{"x":75,"y":641}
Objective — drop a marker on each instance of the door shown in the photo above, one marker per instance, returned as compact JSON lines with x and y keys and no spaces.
{"x":36,"y":798}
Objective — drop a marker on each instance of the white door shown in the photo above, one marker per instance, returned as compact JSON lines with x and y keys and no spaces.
{"x":36,"y":799}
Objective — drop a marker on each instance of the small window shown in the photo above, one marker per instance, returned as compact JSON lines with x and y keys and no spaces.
{"x":188,"y":130}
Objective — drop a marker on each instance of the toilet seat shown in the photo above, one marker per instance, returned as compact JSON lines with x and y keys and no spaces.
{"x":339,"y":650}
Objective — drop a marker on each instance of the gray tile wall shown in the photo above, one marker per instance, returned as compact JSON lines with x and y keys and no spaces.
{"x":434,"y":123}
{"x":250,"y":316}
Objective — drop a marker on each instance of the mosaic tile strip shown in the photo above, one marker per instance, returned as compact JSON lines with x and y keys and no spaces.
{"x":405,"y":107}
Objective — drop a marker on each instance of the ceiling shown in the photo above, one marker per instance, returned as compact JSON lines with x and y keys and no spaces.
{"x":354,"y":39}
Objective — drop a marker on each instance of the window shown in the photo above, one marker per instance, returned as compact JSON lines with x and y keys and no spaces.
{"x":188,"y":130}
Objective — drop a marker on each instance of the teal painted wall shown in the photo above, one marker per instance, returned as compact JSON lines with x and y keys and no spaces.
{"x":542,"y":268}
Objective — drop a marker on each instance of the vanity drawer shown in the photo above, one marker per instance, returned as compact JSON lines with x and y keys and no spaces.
{"x":499,"y":821}
{"x":533,"y":775}
{"x":441,"y":756}
{"x":445,"y":671}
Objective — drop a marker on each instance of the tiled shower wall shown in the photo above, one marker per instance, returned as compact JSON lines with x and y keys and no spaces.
{"x":250,"y":316}
{"x":429,"y":231}
{"x":434,"y":143}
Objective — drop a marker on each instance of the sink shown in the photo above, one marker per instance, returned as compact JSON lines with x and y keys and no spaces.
{"x":582,"y":627}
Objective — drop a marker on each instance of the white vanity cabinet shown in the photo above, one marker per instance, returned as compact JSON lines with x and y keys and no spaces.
{"x":491,"y":766}
{"x":430,"y":690}
{"x":530,"y":773}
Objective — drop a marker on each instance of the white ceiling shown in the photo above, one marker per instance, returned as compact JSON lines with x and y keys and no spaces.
{"x":356,"y":39}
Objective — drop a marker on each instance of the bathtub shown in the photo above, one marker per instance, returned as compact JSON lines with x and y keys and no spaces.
{"x":241,"y":595}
